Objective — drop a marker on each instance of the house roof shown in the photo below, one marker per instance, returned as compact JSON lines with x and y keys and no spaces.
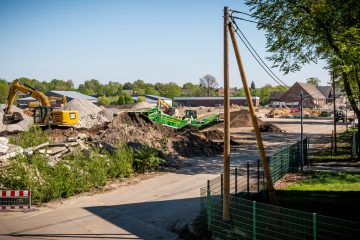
{"x":312,"y":90}
{"x":154,"y":97}
{"x":209,"y":98}
{"x":274,"y":96}
{"x":73,"y":95}
{"x":325,"y":90}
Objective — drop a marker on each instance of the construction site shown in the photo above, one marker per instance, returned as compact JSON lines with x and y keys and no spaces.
{"x":141,"y":160}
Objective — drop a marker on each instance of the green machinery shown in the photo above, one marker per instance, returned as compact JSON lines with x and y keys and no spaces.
{"x":170,"y":121}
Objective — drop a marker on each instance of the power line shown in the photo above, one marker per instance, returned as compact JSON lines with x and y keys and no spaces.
{"x":238,"y":29}
{"x":261,"y":64}
{"x":305,"y":32}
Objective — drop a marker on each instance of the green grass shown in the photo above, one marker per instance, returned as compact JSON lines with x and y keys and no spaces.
{"x":33,"y":137}
{"x":323,"y":181}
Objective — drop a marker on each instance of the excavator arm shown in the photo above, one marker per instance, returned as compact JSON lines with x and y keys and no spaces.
{"x":17,"y":86}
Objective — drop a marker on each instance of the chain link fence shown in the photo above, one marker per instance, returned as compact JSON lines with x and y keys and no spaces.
{"x":355,"y":145}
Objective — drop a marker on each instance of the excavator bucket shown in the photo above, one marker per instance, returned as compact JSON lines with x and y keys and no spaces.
{"x":12,"y":118}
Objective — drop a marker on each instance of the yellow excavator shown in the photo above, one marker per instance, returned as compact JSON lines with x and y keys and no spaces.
{"x":43,"y":114}
{"x":165,"y":107}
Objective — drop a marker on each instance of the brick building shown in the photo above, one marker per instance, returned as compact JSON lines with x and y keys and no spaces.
{"x":212,"y":101}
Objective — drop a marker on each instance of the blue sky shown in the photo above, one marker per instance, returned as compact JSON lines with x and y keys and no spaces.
{"x":126,"y":40}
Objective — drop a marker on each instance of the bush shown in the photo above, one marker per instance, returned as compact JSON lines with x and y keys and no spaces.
{"x":121,"y":161}
{"x":125,"y":98}
{"x":146,"y":159}
{"x":141,"y":99}
{"x":34,"y":136}
{"x":103,"y":100}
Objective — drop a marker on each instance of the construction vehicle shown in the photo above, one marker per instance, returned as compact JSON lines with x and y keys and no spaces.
{"x":44,"y":114}
{"x":165,"y":107}
{"x":190,"y":114}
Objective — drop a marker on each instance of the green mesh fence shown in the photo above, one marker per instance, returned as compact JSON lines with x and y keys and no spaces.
{"x":254,"y":220}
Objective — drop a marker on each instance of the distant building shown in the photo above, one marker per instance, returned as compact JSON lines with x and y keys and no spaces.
{"x":274,"y":99}
{"x":313,"y":97}
{"x":70,"y":95}
{"x":212,"y":101}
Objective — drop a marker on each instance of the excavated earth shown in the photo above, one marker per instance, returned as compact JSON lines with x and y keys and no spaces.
{"x":136,"y":129}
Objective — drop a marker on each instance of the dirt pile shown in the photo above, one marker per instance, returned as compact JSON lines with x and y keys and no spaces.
{"x":279,"y":112}
{"x":214,"y":134}
{"x":17,"y":127}
{"x":136,"y":129}
{"x":89,"y":113}
{"x":142,"y":105}
{"x":269,"y":127}
{"x":238,"y":119}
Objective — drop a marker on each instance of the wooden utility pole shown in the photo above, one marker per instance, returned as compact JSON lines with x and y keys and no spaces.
{"x":226,"y":193}
{"x":333,"y":85}
{"x":265,"y":164}
{"x":302,"y":129}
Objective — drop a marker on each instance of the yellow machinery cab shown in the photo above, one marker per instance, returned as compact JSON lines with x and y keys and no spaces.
{"x":48,"y":116}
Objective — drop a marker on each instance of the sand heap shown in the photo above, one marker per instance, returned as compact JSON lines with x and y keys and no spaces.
{"x":89,"y":113}
{"x":17,"y":127}
{"x":136,"y":129}
{"x":279,"y":112}
{"x":142,"y":105}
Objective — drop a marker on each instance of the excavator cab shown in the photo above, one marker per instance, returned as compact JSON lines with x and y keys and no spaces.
{"x":42,"y":114}
{"x":192,"y":114}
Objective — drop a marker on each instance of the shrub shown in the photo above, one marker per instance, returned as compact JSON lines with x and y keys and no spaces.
{"x":125,"y":98}
{"x":34,"y":136}
{"x":146,"y":159}
{"x":103,"y":100}
{"x":120,"y":162}
{"x":141,"y":99}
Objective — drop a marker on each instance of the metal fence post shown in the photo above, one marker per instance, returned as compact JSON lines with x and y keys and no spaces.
{"x":248,"y":178}
{"x":254,"y":220}
{"x":281,"y":162}
{"x":222,"y":186}
{"x":236,"y":188}
{"x":208,"y":205}
{"x":258,"y":175}
{"x":314,"y":226}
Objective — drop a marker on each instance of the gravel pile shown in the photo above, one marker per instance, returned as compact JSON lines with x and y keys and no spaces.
{"x":142,"y":105}
{"x":89,"y":113}
{"x":18,"y":127}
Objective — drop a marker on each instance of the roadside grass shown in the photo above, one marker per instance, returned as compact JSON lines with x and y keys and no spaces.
{"x":332,"y":194}
{"x":328,"y":181}
{"x":34,"y":136}
{"x":343,"y":152}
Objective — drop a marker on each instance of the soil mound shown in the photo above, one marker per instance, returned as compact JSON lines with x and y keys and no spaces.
{"x":269,"y":127}
{"x":238,"y":119}
{"x":214,"y":134}
{"x":137,"y":129}
{"x":142,"y":105}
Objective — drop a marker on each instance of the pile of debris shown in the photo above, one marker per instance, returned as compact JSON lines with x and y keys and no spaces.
{"x":17,"y":127}
{"x":8,"y":150}
{"x":89,"y":113}
{"x":238,"y":119}
{"x":135,"y":129}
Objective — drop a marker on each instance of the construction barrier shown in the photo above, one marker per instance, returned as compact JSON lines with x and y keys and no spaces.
{"x":15,"y":199}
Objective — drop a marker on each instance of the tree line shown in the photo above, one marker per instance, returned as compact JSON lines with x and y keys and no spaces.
{"x":118,"y":93}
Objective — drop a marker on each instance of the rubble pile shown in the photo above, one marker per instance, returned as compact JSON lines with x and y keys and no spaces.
{"x":269,"y":127}
{"x":89,"y":113}
{"x":17,"y":127}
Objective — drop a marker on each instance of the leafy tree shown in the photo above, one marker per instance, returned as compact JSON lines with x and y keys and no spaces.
{"x":313,"y":80}
{"x":125,"y":98}
{"x":103,"y":100}
{"x":4,"y":90}
{"x":128,"y":86}
{"x":301,"y":32}
{"x":141,"y":99}
{"x":209,"y":83}
{"x":169,"y":90}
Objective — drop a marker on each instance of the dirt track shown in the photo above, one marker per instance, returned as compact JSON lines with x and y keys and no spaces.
{"x":152,"y":208}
